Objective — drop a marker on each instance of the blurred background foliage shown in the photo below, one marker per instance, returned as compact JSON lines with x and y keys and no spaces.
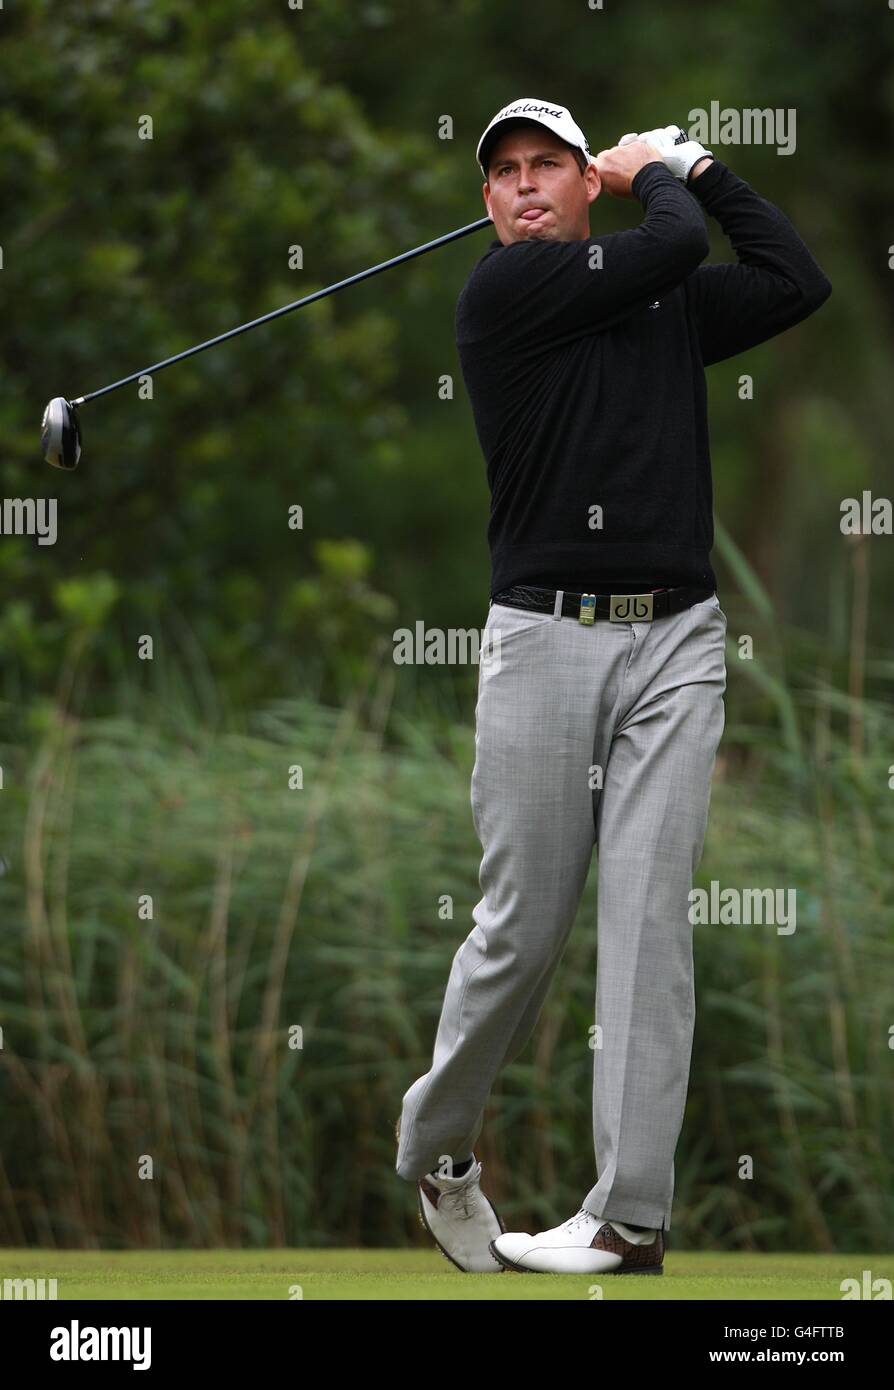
{"x":318,"y":128}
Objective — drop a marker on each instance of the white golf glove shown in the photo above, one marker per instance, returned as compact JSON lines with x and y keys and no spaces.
{"x":678,"y":153}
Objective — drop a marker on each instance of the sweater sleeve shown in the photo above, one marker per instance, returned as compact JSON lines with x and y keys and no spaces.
{"x":774,"y":282}
{"x":545,"y":293}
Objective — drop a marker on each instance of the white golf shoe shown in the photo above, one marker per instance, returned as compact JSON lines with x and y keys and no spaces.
{"x":586,"y":1244}
{"x":461,"y":1220}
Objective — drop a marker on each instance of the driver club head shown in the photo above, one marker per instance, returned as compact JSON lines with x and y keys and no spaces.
{"x":60,"y":434}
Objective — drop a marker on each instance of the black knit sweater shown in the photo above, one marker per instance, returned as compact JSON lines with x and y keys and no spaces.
{"x":587,"y":383}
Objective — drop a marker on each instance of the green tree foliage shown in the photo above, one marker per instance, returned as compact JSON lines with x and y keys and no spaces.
{"x":321,"y":127}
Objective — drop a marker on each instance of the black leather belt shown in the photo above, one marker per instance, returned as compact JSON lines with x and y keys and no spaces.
{"x":618,"y":608}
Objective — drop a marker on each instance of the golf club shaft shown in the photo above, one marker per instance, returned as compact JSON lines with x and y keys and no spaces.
{"x":288,"y":308}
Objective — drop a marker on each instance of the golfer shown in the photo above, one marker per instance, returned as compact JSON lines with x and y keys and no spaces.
{"x":600,"y":707}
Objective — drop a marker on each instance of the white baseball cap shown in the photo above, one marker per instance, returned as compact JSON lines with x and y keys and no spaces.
{"x":558,"y":119}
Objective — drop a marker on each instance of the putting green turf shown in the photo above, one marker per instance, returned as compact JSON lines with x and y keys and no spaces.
{"x":422,"y":1274}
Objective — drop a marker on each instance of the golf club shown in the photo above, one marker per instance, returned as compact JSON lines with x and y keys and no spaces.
{"x":60,"y":431}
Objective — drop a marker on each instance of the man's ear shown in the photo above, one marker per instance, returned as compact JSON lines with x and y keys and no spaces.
{"x":593,"y":181}
{"x":486,"y":195}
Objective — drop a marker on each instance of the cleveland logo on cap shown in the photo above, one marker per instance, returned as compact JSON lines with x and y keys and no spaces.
{"x":557,"y":111}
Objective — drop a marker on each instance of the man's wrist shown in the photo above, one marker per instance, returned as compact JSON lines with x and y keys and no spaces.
{"x":700,"y":166}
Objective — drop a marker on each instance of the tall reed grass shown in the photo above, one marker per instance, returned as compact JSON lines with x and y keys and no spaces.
{"x":129,"y":1037}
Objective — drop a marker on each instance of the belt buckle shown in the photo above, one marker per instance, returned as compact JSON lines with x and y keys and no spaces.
{"x":630,"y":608}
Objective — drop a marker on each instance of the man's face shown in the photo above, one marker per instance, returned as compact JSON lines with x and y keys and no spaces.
{"x":535,"y":189}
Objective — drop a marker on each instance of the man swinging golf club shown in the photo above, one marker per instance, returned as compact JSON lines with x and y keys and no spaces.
{"x":584,"y":362}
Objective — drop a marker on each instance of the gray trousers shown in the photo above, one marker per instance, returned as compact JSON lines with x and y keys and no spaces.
{"x":557,"y":701}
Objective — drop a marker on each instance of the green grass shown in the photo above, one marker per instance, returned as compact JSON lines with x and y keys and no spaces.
{"x":423,"y":1274}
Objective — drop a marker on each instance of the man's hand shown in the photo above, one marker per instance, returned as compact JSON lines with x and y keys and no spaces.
{"x":618,"y":167}
{"x":679,"y":154}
